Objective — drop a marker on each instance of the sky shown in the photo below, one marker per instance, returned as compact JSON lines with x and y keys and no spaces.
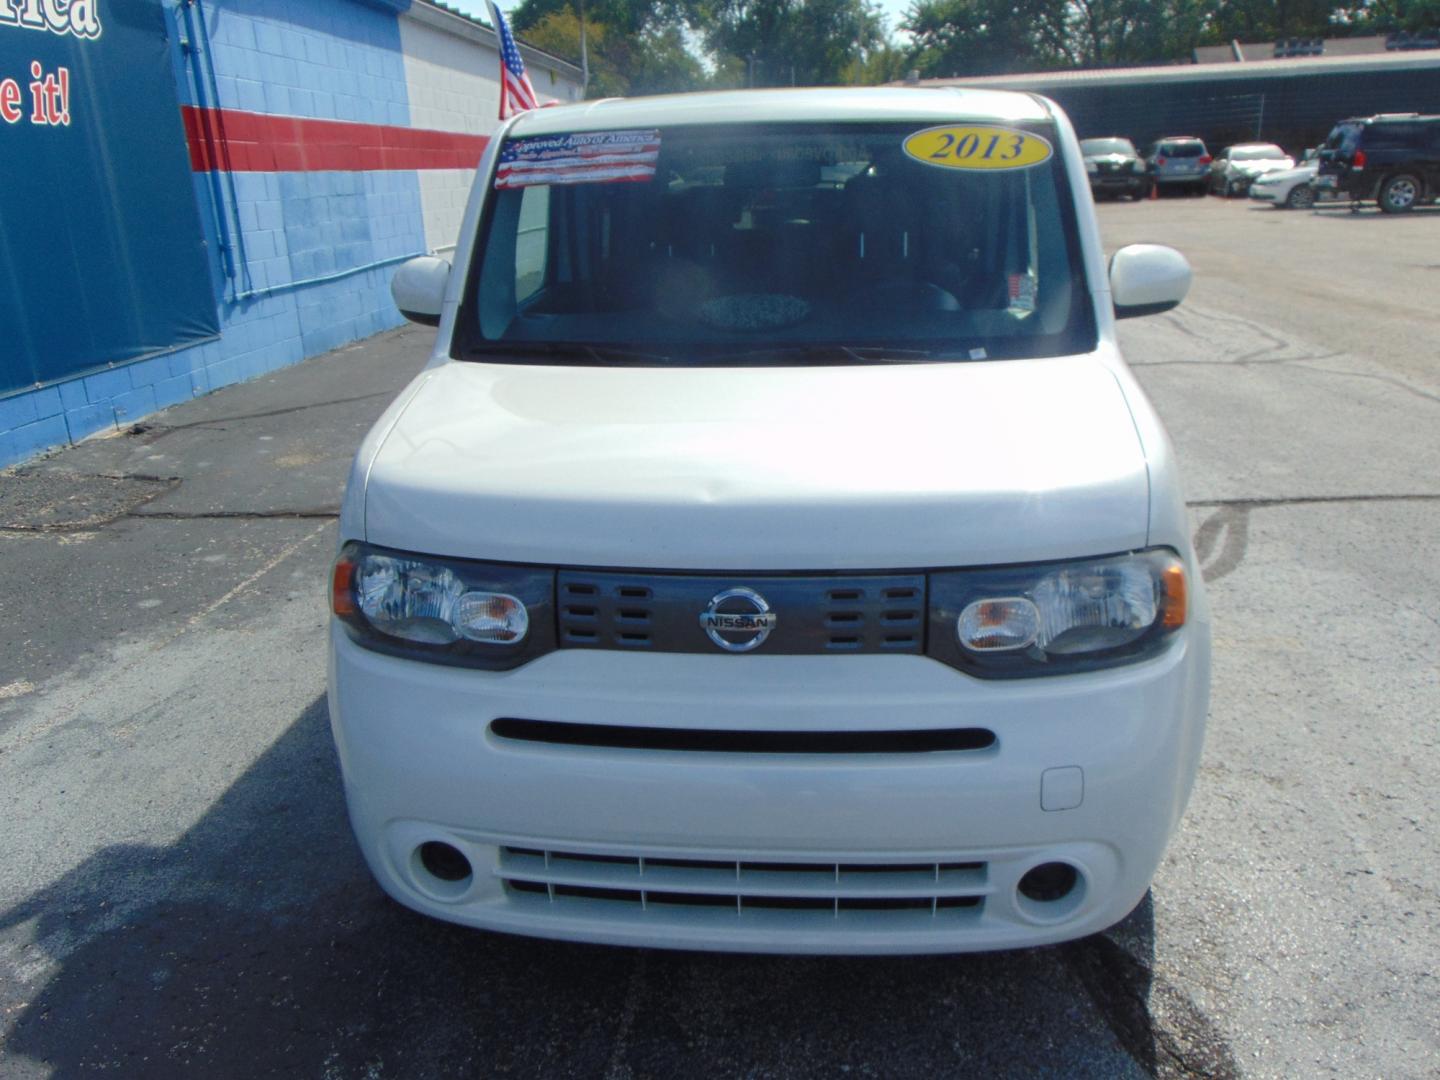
{"x":891,"y":9}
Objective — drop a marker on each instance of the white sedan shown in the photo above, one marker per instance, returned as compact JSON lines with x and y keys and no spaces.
{"x":1238,"y":167}
{"x":1290,"y":189}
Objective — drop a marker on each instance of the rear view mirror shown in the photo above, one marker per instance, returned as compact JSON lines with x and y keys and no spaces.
{"x":419,"y":289}
{"x":1146,"y":279}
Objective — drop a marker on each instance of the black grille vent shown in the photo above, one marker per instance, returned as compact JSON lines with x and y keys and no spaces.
{"x":880,"y":618}
{"x":605,"y":615}
{"x":866,"y":613}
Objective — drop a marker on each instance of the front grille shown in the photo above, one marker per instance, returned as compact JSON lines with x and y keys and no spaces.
{"x":816,"y":893}
{"x":814,"y":614}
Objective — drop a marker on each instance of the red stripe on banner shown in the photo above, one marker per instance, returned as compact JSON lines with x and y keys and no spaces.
{"x":237,"y":141}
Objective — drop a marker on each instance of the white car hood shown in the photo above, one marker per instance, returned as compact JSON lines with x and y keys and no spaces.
{"x":1261,"y":166}
{"x":1299,"y":172}
{"x":853,"y":467}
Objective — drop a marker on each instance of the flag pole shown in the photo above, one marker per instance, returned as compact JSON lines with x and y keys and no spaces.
{"x":584,"y":55}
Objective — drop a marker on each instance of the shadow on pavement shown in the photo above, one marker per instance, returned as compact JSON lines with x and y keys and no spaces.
{"x":257,"y":945}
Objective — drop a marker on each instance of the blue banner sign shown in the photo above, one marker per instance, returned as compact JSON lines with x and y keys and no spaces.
{"x":102,"y":258}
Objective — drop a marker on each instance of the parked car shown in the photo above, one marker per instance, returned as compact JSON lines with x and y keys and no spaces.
{"x":1237,"y":166}
{"x":1179,"y":163}
{"x":1114,"y":167}
{"x":1289,"y":189}
{"x":780,"y":556}
{"x":1392,"y":159}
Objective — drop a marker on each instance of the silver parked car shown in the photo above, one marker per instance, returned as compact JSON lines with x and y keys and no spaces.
{"x":1179,"y":163}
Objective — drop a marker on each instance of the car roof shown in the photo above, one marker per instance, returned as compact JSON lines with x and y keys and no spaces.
{"x":924,"y":105}
{"x":1392,"y":118}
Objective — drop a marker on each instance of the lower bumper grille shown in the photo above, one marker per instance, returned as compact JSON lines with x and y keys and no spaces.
{"x":699,"y":740}
{"x":816,"y":893}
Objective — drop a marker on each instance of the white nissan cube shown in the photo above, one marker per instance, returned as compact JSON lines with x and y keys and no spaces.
{"x":776,"y":553}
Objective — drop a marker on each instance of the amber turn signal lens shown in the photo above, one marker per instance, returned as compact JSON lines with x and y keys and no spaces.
{"x":1172,"y":584}
{"x":342,"y":591}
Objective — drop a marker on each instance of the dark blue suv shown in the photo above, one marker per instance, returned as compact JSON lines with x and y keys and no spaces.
{"x":1392,"y":159}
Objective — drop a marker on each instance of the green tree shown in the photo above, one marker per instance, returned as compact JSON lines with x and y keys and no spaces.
{"x":793,"y":42}
{"x":652,"y":61}
{"x":1261,"y":20}
{"x":1388,"y":16}
{"x":986,"y":37}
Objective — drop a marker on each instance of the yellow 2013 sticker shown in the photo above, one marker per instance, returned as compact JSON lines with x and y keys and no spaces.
{"x":972,"y":146}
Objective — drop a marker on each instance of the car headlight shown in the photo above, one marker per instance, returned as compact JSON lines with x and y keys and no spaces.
{"x":1053,"y":618}
{"x":451,"y":611}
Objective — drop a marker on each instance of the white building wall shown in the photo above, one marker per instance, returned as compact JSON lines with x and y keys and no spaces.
{"x":452,"y":74}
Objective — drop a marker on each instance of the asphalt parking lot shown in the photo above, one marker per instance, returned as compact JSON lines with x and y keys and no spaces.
{"x":180,"y":894}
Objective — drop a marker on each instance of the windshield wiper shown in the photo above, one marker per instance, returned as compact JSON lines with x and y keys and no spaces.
{"x":828,"y":354}
{"x":566,"y":350}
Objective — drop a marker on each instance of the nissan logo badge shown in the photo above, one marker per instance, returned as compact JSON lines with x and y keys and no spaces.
{"x":738,"y":620}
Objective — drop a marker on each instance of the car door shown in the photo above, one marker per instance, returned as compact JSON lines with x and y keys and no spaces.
{"x":1218,"y":169}
{"x":1430,"y":153}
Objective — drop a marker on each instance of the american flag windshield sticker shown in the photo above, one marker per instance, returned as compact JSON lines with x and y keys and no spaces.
{"x":597,"y":157}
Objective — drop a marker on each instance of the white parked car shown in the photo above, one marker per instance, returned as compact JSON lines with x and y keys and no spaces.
{"x":1291,"y":189}
{"x":1237,"y":167}
{"x":776,"y":553}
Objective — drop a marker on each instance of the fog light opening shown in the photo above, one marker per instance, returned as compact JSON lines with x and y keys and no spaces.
{"x":1049,"y":882}
{"x":445,"y":861}
{"x":441,"y":870}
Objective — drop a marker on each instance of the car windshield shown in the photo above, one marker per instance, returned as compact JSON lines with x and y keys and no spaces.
{"x":1344,"y":137}
{"x":861,"y":243}
{"x":1184,"y":149}
{"x":1256,"y":153}
{"x":1106,"y":146}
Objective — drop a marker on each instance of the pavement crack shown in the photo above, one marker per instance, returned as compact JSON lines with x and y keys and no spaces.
{"x":39,"y":496}
{"x":1259,"y":358}
{"x":1399,"y":384}
{"x":1308,"y":500}
{"x":322,"y":513}
{"x":151,"y":432}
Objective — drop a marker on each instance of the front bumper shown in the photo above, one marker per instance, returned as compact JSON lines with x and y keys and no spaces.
{"x":421,"y":764}
{"x":1127,"y":182}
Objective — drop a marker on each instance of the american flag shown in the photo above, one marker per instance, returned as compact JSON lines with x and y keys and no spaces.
{"x":516,"y":93}
{"x":596,"y":157}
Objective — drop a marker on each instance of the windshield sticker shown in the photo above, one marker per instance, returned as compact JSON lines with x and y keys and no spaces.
{"x":1022,"y":293}
{"x":592,"y":157}
{"x":977,"y":147}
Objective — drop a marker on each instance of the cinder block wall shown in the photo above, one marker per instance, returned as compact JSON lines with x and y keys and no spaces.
{"x":331,"y":139}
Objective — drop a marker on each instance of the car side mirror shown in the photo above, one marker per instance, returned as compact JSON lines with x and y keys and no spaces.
{"x":418,"y":288}
{"x":1146,"y":279}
